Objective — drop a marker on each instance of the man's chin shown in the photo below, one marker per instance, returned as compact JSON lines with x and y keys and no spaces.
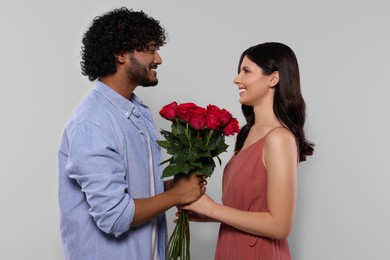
{"x":150,"y":84}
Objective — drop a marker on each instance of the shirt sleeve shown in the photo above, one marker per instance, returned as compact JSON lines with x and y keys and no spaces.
{"x":95,"y":163}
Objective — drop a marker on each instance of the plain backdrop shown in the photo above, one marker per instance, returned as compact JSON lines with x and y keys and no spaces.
{"x":343,"y":207}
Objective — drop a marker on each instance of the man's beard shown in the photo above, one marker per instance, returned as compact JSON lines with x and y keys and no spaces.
{"x":139,"y":73}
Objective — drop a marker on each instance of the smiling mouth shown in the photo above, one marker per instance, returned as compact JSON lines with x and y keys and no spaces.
{"x":154,"y":69}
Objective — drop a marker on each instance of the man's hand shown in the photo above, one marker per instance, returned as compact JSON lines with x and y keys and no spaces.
{"x":189,"y":188}
{"x":186,"y":189}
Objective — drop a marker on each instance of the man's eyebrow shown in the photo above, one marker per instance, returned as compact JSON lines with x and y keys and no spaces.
{"x":152,"y":44}
{"x":152,"y":47}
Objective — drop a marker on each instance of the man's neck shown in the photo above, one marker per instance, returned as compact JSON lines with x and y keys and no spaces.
{"x":119,"y":85}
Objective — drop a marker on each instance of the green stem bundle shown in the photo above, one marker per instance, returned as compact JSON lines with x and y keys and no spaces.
{"x":179,"y":242}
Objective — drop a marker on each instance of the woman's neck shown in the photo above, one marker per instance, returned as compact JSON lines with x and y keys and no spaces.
{"x":265,"y":118}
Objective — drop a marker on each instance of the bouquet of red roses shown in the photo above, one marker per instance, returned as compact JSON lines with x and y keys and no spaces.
{"x":197,"y":136}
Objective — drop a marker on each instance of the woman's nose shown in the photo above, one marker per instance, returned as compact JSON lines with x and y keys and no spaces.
{"x":236,"y":80}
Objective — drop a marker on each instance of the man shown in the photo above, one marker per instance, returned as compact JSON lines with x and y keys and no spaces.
{"x":111,"y":195}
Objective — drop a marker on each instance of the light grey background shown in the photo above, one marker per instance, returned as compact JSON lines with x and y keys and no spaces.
{"x":342,"y":47}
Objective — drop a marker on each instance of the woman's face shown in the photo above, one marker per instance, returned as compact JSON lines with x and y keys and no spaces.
{"x":253,"y":85}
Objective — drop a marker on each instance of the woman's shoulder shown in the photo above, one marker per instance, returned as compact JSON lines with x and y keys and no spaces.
{"x":280,"y":146}
{"x":280,"y":136}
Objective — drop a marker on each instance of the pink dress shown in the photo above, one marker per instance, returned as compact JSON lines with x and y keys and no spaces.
{"x":245,"y":188}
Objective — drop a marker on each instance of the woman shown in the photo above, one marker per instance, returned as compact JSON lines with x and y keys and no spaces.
{"x":259,"y":181}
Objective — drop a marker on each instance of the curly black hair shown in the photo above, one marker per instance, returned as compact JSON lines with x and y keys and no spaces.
{"x":118,"y":31}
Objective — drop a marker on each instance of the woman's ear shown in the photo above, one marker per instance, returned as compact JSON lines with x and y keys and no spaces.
{"x":274,"y":80}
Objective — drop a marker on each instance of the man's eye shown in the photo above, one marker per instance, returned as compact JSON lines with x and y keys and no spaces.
{"x":151,"y":50}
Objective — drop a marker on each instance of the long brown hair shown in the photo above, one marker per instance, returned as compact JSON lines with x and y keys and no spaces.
{"x":289,"y":105}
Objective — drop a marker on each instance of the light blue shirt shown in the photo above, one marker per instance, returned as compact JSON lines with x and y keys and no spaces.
{"x":103,"y":165}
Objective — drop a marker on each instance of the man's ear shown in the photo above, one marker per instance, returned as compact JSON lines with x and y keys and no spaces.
{"x":274,"y":80}
{"x":120,"y":57}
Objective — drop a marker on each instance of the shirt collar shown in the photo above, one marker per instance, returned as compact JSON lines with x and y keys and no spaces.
{"x":125,"y":106}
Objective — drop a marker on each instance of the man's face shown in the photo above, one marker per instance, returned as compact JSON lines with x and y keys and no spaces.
{"x":143,"y":65}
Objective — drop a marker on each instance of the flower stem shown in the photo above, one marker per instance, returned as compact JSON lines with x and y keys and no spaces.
{"x":187,"y":133}
{"x":209,"y":136}
{"x":179,"y":242}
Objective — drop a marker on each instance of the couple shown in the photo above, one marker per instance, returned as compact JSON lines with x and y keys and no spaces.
{"x":112,"y":199}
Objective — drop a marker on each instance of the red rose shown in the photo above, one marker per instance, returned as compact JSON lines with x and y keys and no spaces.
{"x":198,"y":119}
{"x":169,"y":111}
{"x":184,"y":111}
{"x":225,"y":116}
{"x":232,"y":127}
{"x":213,"y":117}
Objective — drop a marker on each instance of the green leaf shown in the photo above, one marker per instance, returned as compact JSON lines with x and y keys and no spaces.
{"x":170,"y":137}
{"x":185,"y":169}
{"x":180,"y":159}
{"x":204,"y":154}
{"x":196,"y":165}
{"x":170,"y":170}
{"x":208,"y":167}
{"x":182,"y":134}
{"x":166,"y":133}
{"x":220,"y":149}
{"x":212,"y":145}
{"x":174,"y":128}
{"x":192,"y":156}
{"x":172,"y":150}
{"x":167,"y":160}
{"x":164,"y":144}
{"x":219,"y":160}
{"x":193,"y":137}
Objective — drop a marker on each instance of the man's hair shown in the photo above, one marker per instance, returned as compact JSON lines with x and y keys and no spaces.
{"x":118,"y":31}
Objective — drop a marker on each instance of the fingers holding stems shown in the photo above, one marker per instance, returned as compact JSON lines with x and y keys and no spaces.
{"x":189,"y":188}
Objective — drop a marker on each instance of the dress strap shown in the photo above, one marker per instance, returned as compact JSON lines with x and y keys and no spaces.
{"x":272,"y":130}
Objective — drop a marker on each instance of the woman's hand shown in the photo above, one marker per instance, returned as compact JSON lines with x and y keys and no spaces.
{"x":194,"y":217}
{"x":203,"y":207}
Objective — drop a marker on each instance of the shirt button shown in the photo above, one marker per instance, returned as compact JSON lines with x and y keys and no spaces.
{"x":127,"y":114}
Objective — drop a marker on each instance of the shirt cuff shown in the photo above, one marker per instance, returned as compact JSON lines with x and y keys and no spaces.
{"x":125,"y":220}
